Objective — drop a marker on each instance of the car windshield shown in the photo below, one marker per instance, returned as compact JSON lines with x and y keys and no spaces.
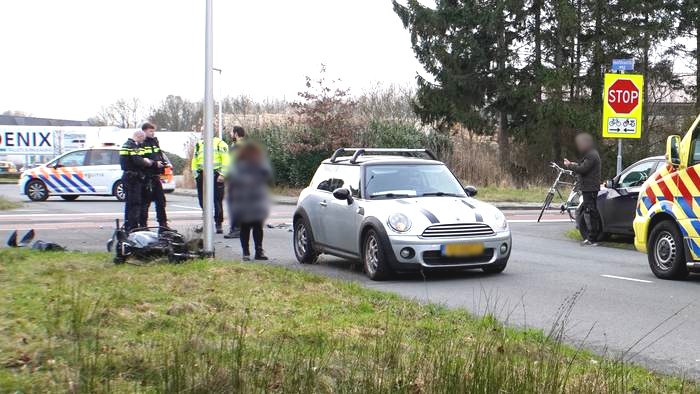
{"x":413,"y":180}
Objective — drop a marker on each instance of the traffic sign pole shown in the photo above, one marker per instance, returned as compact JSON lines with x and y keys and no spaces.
{"x":619,"y":146}
{"x":208,"y":136}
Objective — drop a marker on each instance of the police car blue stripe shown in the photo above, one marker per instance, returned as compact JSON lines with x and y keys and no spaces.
{"x":84,"y":182}
{"x":69,"y":180}
{"x":63,"y":185}
{"x":49,"y":184}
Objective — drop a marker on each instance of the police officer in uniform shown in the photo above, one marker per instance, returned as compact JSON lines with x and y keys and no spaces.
{"x":221,"y":163}
{"x":153,"y":189}
{"x":133,"y":164}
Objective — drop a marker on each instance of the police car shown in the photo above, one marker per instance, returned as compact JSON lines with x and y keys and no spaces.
{"x":93,"y":172}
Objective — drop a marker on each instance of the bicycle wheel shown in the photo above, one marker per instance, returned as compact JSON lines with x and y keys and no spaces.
{"x":547,"y":201}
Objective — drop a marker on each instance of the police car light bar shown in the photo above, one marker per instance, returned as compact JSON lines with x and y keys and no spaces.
{"x":361,"y":151}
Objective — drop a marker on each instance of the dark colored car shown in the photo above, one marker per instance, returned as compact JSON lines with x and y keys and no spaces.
{"x":617,"y":199}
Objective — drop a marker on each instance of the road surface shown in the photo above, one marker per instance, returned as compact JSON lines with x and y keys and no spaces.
{"x":618,"y":302}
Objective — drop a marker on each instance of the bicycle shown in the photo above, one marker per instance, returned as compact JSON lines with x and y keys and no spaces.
{"x":571,"y":203}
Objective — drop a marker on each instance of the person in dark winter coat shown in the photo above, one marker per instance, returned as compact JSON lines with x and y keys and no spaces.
{"x":588,"y":171}
{"x":250,"y":175}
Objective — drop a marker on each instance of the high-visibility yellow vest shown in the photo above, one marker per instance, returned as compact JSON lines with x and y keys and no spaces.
{"x":221,"y":156}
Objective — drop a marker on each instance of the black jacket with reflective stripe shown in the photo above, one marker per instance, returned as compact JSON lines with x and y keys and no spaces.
{"x":131,"y":157}
{"x":151,"y":150}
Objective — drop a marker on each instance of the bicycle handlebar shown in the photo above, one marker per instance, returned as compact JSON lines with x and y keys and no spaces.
{"x":560,"y":169}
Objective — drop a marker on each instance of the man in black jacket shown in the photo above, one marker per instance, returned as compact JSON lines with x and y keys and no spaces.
{"x":153,"y":189}
{"x":133,"y":164}
{"x":588,"y":171}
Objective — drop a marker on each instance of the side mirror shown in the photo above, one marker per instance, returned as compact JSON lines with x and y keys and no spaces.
{"x":610,"y":184}
{"x":471,"y":191}
{"x":673,"y":156}
{"x":343,"y":194}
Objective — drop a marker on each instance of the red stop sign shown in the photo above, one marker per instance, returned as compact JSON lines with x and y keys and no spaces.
{"x":623,"y":96}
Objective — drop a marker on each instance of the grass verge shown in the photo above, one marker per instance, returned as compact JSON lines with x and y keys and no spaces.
{"x":76,"y":323}
{"x":6,"y":204}
{"x":490,"y":194}
{"x":611,"y":241}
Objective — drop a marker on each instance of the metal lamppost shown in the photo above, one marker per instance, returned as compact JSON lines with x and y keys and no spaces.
{"x":208,"y":135}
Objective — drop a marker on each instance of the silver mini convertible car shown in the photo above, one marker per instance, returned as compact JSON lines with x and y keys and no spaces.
{"x":397,"y":210}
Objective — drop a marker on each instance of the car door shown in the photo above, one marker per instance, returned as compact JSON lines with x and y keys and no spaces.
{"x":62,"y":173}
{"x":316,"y":202}
{"x":621,"y":200}
{"x":101,"y":170}
{"x":342,"y":220}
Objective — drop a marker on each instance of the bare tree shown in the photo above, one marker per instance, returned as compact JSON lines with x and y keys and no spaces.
{"x":125,"y":113}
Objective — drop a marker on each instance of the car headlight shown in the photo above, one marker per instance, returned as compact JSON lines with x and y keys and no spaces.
{"x":399,"y":222}
{"x":501,"y":222}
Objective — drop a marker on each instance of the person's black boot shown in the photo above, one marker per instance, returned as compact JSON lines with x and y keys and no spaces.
{"x":219,"y":229}
{"x":233,"y":234}
{"x":260,"y":255}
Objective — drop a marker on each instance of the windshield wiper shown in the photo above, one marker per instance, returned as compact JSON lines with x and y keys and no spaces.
{"x":390,"y":195}
{"x":441,"y":194}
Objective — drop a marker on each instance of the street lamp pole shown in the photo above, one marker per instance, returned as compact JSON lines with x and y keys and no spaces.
{"x":221,"y":106}
{"x":208,"y":137}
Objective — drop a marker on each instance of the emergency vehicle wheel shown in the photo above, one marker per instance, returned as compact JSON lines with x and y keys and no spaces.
{"x":72,"y":197}
{"x":118,"y":191}
{"x":666,"y":254}
{"x":36,"y":190}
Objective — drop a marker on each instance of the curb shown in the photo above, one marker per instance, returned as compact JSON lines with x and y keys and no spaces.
{"x":286,"y":200}
{"x":279,"y":200}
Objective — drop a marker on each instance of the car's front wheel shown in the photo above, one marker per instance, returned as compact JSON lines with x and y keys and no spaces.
{"x":374,"y":258}
{"x":303,"y":242}
{"x":666,"y":254}
{"x":36,"y":190}
{"x":118,"y":191}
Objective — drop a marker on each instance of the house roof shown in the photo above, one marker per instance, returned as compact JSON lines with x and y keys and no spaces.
{"x":31,"y":121}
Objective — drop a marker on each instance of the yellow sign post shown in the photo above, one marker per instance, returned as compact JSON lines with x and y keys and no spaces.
{"x":622,"y":109}
{"x":622,"y":106}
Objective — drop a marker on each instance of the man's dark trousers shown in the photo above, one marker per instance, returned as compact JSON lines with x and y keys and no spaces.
{"x":153,"y":192}
{"x":218,"y":197}
{"x":590,"y":214}
{"x":133,"y":187}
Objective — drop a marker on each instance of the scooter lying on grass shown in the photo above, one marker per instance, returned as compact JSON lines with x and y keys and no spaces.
{"x":150,"y":243}
{"x":37,"y":245}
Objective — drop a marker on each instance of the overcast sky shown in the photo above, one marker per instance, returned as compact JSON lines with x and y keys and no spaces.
{"x":68,"y":58}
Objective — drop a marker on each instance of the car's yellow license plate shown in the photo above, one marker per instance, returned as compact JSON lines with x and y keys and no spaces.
{"x":462,"y":250}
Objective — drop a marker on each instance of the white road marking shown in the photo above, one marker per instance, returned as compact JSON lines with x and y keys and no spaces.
{"x":79,"y":215}
{"x":630,"y":279}
{"x":183,"y":206}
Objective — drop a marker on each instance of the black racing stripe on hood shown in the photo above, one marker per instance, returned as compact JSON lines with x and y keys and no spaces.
{"x":433,"y":219}
{"x":477,"y":215}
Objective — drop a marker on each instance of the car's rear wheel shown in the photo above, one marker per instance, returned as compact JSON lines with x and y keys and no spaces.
{"x":72,"y":197}
{"x":36,"y":190}
{"x":666,"y":252}
{"x":303,"y":242}
{"x":374,"y":258}
{"x":118,"y":191}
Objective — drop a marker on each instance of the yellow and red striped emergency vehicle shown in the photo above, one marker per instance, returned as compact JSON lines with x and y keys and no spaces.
{"x":667,"y":223}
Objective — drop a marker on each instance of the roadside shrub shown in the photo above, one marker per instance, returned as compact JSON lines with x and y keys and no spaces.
{"x":178,"y":163}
